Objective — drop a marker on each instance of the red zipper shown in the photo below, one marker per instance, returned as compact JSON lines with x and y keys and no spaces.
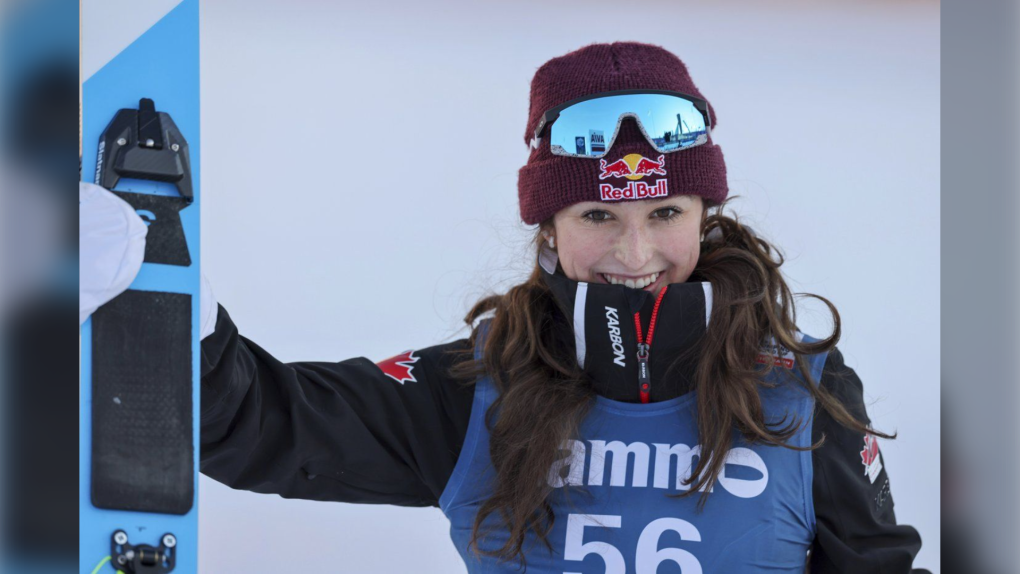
{"x":644,"y":377}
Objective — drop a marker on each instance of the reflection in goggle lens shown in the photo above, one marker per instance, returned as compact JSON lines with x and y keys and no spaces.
{"x":588,"y":128}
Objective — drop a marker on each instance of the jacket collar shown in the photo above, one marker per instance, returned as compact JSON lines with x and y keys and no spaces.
{"x":605,"y":334}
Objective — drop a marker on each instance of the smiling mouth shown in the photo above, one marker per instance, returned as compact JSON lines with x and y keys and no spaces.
{"x":643,"y":282}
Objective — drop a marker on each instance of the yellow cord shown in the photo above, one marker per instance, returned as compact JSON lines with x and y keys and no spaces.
{"x":104,"y":561}
{"x":101,"y":563}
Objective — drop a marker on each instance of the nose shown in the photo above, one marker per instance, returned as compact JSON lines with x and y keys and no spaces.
{"x":634,"y":248}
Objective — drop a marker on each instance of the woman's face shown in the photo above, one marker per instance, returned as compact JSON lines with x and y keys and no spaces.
{"x":643,"y":244}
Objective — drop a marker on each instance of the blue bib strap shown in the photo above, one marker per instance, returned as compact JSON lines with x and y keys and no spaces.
{"x":476,"y":436}
{"x":816,"y":364}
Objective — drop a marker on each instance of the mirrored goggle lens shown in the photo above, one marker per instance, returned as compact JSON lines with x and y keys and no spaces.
{"x":588,"y":128}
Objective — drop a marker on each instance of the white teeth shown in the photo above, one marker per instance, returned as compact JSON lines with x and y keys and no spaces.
{"x":639,"y":283}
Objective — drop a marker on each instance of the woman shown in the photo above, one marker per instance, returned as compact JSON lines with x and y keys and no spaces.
{"x":643,"y":398}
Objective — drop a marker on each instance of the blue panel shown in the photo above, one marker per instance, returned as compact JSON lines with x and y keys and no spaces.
{"x":162,"y":64}
{"x":38,"y":41}
{"x":34,"y":34}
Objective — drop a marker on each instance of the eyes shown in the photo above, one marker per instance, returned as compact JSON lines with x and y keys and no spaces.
{"x":600,"y":216}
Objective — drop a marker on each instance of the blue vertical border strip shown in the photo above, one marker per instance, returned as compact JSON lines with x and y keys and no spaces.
{"x":36,"y":36}
{"x":162,"y":64}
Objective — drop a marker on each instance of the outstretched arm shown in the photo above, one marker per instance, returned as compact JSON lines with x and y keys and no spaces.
{"x":345,"y":431}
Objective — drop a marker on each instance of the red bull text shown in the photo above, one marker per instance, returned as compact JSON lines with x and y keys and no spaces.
{"x":634,"y":190}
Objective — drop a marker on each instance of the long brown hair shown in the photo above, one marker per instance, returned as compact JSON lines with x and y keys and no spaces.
{"x":543,"y":395}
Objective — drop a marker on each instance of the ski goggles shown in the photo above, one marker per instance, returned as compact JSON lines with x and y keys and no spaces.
{"x":588,"y":126}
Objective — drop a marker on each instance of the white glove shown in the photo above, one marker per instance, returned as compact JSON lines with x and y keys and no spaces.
{"x":111,"y":247}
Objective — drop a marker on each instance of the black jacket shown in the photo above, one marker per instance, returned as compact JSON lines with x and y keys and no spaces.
{"x":355,"y":431}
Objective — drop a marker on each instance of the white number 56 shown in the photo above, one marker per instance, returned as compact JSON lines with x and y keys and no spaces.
{"x":648,"y":555}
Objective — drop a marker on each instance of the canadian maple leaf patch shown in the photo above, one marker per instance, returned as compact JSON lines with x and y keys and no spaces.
{"x":400,"y":367}
{"x":870,"y":458}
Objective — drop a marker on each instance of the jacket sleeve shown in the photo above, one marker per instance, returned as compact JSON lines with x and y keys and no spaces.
{"x":345,"y":431}
{"x":856,"y":525}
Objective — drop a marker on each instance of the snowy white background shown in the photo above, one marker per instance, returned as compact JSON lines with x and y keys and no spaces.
{"x":347,"y":214}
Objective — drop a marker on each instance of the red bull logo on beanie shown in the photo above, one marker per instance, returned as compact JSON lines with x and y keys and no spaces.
{"x":634,"y":190}
{"x":633,"y":167}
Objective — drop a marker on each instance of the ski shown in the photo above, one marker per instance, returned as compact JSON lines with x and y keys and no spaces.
{"x":139,"y":405}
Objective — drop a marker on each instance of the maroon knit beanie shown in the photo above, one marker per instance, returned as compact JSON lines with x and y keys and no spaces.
{"x":548,"y":183}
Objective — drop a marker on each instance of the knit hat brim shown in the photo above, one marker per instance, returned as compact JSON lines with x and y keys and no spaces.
{"x":547,"y":185}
